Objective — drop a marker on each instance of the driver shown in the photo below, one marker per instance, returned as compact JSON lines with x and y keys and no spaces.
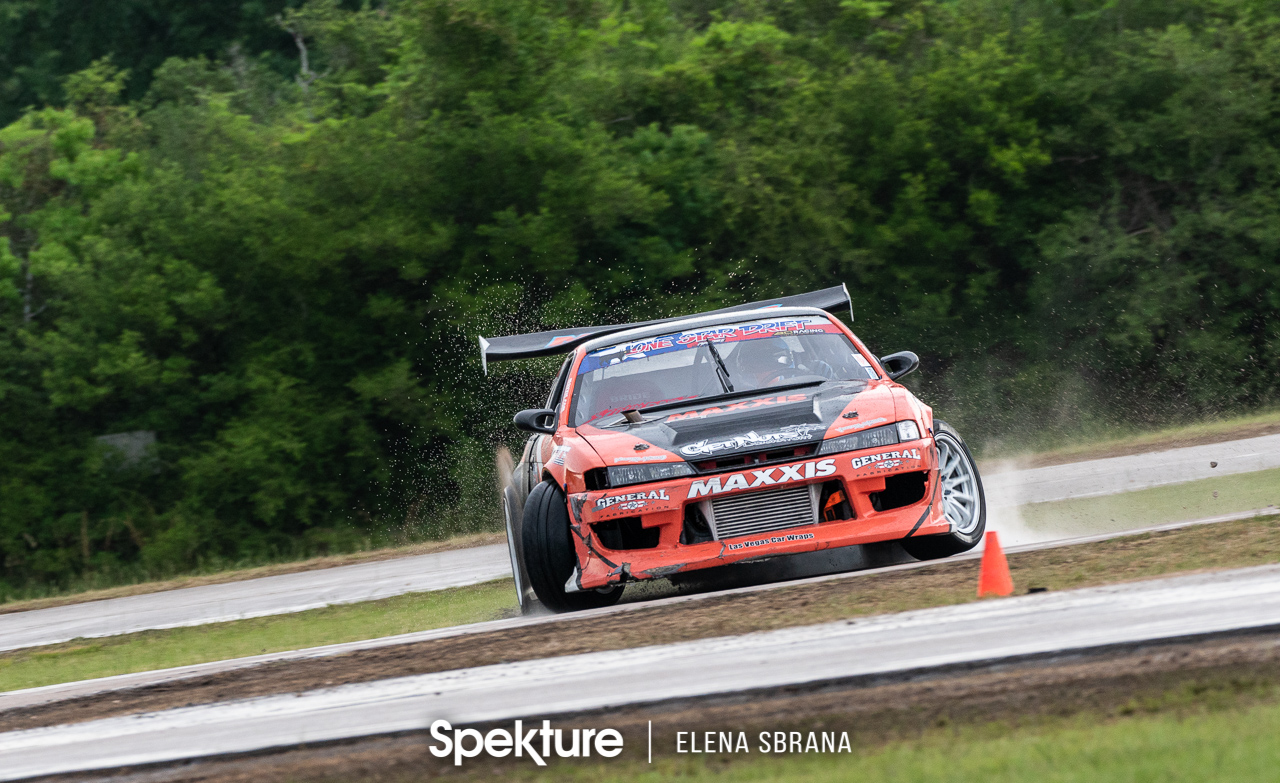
{"x":762,"y":361}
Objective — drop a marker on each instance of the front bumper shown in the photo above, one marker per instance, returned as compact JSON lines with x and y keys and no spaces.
{"x":862,"y":476}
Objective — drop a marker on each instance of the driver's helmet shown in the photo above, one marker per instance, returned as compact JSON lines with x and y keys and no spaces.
{"x":762,"y":360}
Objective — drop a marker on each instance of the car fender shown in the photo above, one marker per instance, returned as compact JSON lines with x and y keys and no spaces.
{"x":567,"y":457}
{"x":907,"y":406}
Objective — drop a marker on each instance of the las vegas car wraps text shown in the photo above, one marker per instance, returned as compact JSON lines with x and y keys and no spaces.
{"x":540,"y":744}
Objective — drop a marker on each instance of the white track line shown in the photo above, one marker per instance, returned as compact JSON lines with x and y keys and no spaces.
{"x":990,"y":630}
{"x":71,"y":690}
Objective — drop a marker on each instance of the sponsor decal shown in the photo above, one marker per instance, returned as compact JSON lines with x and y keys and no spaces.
{"x":624,"y":401}
{"x":557,"y":455}
{"x":679,"y":341}
{"x":650,"y":458}
{"x":770,"y":540}
{"x":565,"y":338}
{"x":715,"y":333}
{"x":745,"y":405}
{"x":631,"y":500}
{"x":639,"y":350}
{"x":758,"y":329}
{"x":888,"y":459}
{"x":536,"y":744}
{"x":783,"y":474}
{"x":752,"y":439}
{"x":862,"y":425}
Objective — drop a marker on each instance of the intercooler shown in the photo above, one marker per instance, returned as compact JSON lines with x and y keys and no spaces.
{"x":762,"y":512}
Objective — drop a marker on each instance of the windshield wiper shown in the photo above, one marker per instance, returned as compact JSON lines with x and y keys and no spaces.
{"x":709,"y":399}
{"x":765,"y":392}
{"x":722,"y":372}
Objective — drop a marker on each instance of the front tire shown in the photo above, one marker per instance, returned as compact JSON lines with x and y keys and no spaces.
{"x":963,"y":501}
{"x":512,"y":514}
{"x":549,"y":556}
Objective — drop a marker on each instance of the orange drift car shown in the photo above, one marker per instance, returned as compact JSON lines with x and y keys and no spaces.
{"x":735,"y":435}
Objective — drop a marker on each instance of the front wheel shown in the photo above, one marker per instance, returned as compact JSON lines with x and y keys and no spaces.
{"x":963,"y":502}
{"x":549,"y":557}
{"x":511,"y":513}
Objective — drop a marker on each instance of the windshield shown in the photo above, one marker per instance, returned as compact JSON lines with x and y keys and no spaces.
{"x":727,"y":358}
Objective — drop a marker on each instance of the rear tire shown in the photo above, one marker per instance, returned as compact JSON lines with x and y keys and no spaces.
{"x":963,"y":501}
{"x":549,"y":556}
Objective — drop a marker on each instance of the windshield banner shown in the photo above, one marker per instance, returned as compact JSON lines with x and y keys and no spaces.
{"x":725,"y":333}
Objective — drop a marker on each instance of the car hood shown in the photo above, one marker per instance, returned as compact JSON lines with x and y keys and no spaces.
{"x":711,"y":430}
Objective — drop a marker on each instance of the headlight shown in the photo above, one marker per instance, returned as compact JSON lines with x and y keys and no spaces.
{"x":622,"y":475}
{"x":867,"y":439}
{"x":907,"y":430}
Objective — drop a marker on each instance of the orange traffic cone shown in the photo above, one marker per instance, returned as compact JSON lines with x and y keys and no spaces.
{"x":994,"y":578}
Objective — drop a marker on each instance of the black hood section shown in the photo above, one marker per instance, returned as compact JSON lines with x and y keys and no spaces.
{"x":702,"y":431}
{"x":723,"y":425}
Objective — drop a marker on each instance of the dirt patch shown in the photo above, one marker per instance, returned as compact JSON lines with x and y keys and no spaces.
{"x":1251,"y":542}
{"x":1181,"y":678}
{"x":277,"y":569}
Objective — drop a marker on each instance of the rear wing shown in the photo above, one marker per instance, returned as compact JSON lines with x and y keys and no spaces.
{"x":559,"y":341}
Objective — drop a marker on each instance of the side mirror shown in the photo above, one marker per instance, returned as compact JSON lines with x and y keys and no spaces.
{"x":537,"y":420}
{"x":900,"y":364}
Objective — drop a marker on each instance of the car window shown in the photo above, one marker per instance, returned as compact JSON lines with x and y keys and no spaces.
{"x":750,"y":355}
{"x":557,"y":386}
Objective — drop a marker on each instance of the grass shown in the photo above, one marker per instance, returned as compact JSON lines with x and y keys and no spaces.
{"x":149,"y":650}
{"x":1173,"y":503}
{"x":73,"y":595}
{"x":1235,"y":744}
{"x":1240,"y":544}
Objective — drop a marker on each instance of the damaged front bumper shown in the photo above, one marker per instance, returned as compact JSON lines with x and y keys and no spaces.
{"x":651,"y":531}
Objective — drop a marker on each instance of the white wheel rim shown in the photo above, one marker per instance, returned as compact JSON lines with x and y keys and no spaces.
{"x":961,"y":503}
{"x":511,"y":549}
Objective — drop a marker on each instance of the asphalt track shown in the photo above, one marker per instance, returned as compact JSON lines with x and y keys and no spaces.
{"x":1114,"y":475}
{"x":255,"y":597}
{"x":1180,"y":607}
{"x":369,"y":581}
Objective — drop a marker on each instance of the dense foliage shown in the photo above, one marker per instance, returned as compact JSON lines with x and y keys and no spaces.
{"x":44,"y":41}
{"x":1068,"y":207}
